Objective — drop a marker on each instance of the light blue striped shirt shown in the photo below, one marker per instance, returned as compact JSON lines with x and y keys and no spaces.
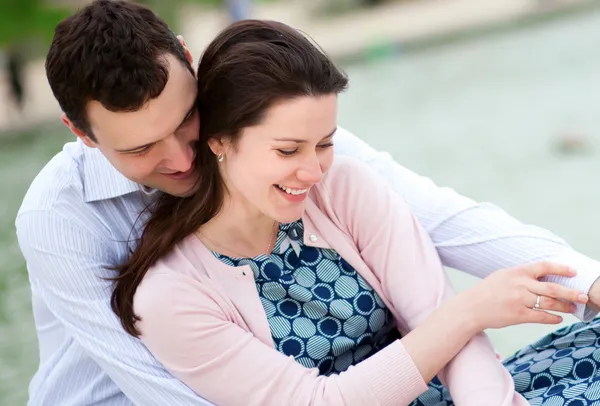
{"x":79,"y":212}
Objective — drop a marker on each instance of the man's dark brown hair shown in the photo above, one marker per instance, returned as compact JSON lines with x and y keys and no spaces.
{"x":113,"y":52}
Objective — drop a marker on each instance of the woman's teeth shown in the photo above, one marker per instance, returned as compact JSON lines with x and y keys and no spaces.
{"x":292,"y":191}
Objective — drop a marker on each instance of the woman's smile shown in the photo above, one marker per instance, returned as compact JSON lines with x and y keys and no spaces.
{"x":292,"y":195}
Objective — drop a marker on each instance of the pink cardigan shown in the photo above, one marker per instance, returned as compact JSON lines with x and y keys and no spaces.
{"x":204,"y":320}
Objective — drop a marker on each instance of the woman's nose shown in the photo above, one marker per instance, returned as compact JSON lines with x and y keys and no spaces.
{"x":310,"y":171}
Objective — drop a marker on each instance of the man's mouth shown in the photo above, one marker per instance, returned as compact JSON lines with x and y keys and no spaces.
{"x":182,"y":175}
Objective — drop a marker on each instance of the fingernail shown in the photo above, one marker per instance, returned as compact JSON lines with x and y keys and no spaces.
{"x":583,"y":298}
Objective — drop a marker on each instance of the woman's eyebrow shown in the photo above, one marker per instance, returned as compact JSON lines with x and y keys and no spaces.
{"x":304,"y":141}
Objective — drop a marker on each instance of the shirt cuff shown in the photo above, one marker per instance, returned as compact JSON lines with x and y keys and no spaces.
{"x":588,"y":271}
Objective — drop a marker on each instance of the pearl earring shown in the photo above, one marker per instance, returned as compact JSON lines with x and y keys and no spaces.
{"x":220,"y":157}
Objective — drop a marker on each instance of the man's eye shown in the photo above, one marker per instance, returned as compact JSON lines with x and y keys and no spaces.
{"x":141,"y":151}
{"x":187,"y":120}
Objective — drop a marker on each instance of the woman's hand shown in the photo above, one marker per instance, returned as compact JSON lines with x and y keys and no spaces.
{"x":509,"y":296}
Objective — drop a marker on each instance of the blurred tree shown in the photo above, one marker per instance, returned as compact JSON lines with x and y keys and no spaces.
{"x":26,"y":29}
{"x":14,"y":68}
{"x":169,"y":10}
{"x":26,"y":20}
{"x":238,"y":9}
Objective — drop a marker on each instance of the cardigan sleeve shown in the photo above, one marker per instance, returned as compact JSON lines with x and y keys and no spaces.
{"x":185,"y":324}
{"x":402,"y":256}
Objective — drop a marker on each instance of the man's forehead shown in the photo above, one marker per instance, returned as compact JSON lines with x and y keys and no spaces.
{"x":157,"y":119}
{"x":122,"y":129}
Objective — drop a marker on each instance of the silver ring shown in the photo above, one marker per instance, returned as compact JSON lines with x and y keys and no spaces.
{"x":536,"y":306}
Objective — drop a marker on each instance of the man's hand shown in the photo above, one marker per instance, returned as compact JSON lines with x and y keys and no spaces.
{"x":594,"y":295}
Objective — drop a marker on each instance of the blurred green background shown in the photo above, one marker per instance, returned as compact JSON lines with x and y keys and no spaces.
{"x":498,"y":100}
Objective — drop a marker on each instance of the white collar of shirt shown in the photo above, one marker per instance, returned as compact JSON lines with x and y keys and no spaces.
{"x":101,"y":180}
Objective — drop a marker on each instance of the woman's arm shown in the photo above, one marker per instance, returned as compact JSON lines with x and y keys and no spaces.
{"x":400,"y":253}
{"x":185,"y":327}
{"x":477,"y":238}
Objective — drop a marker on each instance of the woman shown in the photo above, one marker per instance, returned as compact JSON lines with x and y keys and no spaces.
{"x":287,"y":279}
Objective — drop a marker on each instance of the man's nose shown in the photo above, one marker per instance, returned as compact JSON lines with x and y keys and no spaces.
{"x":180,"y":154}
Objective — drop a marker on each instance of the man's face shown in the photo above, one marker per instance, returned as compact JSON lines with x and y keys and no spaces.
{"x":154,"y":146}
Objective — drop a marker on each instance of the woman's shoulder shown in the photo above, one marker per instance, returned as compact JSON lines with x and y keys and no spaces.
{"x":348,"y":179}
{"x":182,"y":266}
{"x":186,"y":258}
{"x":355,"y":196}
{"x":347,"y":168}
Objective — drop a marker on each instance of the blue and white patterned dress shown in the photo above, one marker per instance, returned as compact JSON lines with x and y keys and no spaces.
{"x":561,"y":369}
{"x":320,"y":310}
{"x":325,"y":315}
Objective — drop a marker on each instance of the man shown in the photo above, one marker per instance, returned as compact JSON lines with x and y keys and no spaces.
{"x":127,"y":88}
{"x":15,"y":70}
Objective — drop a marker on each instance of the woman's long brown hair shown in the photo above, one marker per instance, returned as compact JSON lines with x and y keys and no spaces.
{"x":250,"y":66}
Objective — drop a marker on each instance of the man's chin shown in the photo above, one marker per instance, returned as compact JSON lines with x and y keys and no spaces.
{"x":180,"y":189}
{"x":186,"y":193}
{"x":177,"y":189}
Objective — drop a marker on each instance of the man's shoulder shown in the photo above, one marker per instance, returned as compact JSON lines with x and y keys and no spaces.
{"x":348,"y":144}
{"x":58,"y":183}
{"x":79,"y":188}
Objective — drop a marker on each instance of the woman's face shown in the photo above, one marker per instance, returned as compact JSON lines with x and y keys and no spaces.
{"x":272,"y":167}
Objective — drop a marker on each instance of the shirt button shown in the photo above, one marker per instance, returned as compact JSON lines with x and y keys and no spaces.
{"x":313,"y":238}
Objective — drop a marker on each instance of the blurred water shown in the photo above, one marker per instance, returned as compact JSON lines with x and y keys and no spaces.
{"x":484,"y":117}
{"x":20,"y":160}
{"x":481,"y":116}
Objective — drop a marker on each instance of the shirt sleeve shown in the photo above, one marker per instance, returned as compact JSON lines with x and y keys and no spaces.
{"x":477,"y":238}
{"x":67,"y":263}
{"x":400,"y":253}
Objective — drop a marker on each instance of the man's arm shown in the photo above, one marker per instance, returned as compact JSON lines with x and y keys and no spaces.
{"x":473,"y":237}
{"x":67,"y":262}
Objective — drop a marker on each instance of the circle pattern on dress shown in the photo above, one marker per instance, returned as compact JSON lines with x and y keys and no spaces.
{"x":320,"y":310}
{"x":560,"y":369}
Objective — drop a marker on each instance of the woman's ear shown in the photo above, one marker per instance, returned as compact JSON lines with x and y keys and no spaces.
{"x":220,"y":145}
{"x":216,"y":146}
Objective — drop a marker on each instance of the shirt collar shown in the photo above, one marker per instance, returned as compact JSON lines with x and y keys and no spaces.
{"x":101,"y":181}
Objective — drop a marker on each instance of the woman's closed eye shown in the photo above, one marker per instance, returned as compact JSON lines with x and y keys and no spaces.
{"x":289,"y":152}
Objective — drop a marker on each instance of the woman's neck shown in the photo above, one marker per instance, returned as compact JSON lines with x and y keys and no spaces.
{"x":239,"y":230}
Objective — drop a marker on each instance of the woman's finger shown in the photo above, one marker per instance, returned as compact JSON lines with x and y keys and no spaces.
{"x":541,"y":317}
{"x":557,"y":291}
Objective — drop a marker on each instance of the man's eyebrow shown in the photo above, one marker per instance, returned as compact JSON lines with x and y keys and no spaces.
{"x":331,"y":134}
{"x":189,"y":114}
